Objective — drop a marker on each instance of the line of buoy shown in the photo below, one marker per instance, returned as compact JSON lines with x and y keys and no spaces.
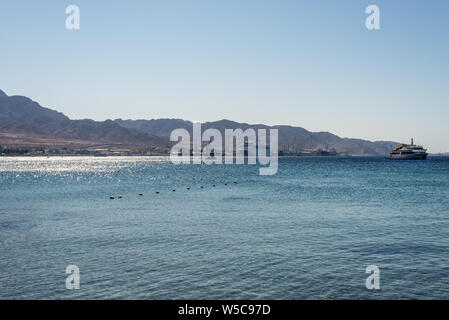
{"x":174,"y":190}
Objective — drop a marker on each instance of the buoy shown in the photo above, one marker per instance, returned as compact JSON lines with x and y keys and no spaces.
{"x":213,"y":185}
{"x":174,"y":190}
{"x":235,"y":182}
{"x":168,"y":177}
{"x":157,"y":192}
{"x":119,"y":197}
{"x":140,"y":194}
{"x":111,"y":197}
{"x":201,"y":187}
{"x":225,"y":184}
{"x":188,"y":188}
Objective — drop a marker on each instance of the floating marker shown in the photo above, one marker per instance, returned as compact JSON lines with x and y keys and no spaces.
{"x":235,"y":182}
{"x":174,"y":190}
{"x":157,"y":192}
{"x":140,"y":194}
{"x":188,"y":188}
{"x":225,"y":184}
{"x":201,"y":187}
{"x":213,"y":185}
{"x":119,"y":197}
{"x":111,"y":197}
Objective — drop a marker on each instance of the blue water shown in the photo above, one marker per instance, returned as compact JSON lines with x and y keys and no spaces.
{"x":308,"y":232}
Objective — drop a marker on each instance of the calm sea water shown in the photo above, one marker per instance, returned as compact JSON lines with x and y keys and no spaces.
{"x":308,"y":232}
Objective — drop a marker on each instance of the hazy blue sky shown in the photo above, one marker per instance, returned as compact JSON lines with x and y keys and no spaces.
{"x":306,"y":63}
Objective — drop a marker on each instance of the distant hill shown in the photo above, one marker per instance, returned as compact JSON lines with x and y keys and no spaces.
{"x":159,"y":127}
{"x":23,"y":121}
{"x":290,"y":138}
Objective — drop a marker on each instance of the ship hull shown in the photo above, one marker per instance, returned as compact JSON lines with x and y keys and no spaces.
{"x":414,"y":156}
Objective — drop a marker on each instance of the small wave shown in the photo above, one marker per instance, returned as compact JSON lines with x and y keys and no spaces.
{"x":399,"y":248}
{"x":14,"y":225}
{"x":234,"y":198}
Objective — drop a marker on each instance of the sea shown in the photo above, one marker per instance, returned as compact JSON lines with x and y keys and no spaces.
{"x":314,"y":230}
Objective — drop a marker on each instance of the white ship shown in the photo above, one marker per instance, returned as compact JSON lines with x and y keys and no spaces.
{"x":408,"y":152}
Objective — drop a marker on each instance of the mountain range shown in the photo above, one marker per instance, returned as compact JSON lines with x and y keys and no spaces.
{"x":25,"y":123}
{"x":294,"y":139}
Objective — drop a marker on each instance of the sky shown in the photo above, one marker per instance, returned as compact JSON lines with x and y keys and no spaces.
{"x":308,"y":63}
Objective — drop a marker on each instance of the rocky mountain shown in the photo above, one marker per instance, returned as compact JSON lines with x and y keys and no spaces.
{"x":157,"y":127}
{"x":23,"y":121}
{"x":291,"y":138}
